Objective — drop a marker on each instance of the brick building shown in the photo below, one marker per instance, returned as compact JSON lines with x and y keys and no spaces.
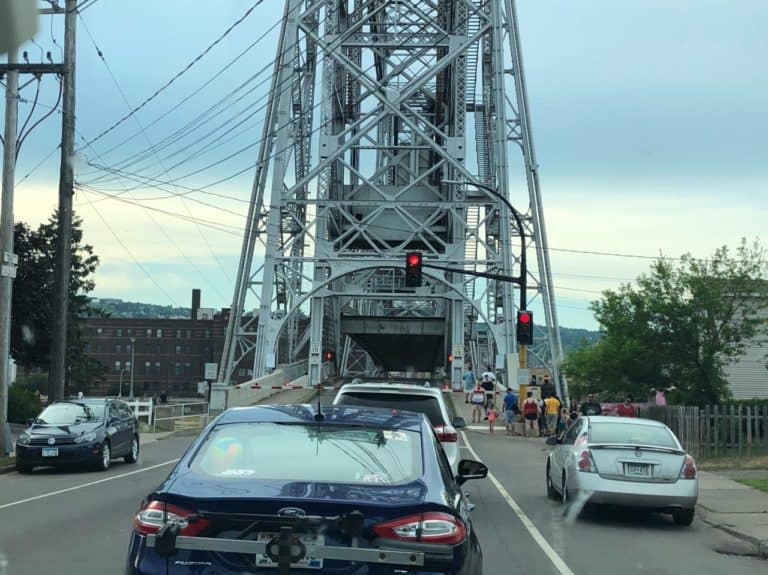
{"x":168,"y":354}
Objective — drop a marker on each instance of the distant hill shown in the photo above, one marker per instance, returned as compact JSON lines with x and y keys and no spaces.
{"x":571,"y":337}
{"x":119,"y":308}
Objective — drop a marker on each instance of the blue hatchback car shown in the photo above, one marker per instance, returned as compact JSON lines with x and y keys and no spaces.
{"x":288,"y":489}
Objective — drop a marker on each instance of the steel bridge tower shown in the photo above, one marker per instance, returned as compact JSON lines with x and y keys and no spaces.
{"x":367,"y":154}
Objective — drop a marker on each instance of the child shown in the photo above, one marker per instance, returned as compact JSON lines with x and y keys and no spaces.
{"x":491,"y":418}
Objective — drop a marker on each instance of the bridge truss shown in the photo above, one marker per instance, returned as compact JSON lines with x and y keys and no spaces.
{"x":370,"y":113}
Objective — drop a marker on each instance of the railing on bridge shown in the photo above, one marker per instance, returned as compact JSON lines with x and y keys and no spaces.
{"x":179,"y":417}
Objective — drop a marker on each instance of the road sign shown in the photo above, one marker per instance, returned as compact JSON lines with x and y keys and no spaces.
{"x":458,"y":351}
{"x":315,"y":349}
{"x":210,"y":370}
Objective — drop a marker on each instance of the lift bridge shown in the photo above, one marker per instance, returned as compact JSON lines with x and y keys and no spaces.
{"x":394,"y":126}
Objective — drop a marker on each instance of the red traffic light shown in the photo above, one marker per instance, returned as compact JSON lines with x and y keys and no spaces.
{"x":329,"y":355}
{"x":524,"y":317}
{"x":414,"y":259}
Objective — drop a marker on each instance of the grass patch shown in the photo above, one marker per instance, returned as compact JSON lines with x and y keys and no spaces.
{"x":733,"y":463}
{"x":761,"y":484}
{"x":5,"y":461}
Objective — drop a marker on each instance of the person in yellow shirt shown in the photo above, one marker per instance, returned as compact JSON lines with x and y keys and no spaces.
{"x":552,"y":409}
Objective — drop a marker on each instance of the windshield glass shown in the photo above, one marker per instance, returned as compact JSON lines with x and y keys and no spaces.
{"x":632,"y":434}
{"x":66,"y":414}
{"x":418,"y":403}
{"x":365,"y":455}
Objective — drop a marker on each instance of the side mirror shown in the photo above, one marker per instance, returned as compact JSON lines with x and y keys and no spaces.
{"x":471,"y":469}
{"x":459,"y":422}
{"x":30,"y":421}
{"x":553,"y":440}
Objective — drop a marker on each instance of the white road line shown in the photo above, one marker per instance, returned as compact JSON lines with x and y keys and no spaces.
{"x":551,"y":554}
{"x":89,"y":484}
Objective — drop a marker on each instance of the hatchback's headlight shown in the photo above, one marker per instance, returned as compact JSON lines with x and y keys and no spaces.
{"x":23,"y":439}
{"x":86,"y":437}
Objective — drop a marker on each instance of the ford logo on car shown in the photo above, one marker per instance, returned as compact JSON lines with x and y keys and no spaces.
{"x":51,"y":440}
{"x":291,"y":512}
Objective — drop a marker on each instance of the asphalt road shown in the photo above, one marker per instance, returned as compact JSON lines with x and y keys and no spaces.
{"x":70,"y":522}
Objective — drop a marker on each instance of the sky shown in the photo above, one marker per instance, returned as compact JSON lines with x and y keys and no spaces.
{"x":649,"y":122}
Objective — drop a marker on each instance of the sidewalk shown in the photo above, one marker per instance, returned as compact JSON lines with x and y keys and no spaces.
{"x":723,"y":503}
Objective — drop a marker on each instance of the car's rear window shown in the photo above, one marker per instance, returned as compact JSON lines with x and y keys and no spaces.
{"x":419,"y":403}
{"x":631,"y":434}
{"x":297,"y":452}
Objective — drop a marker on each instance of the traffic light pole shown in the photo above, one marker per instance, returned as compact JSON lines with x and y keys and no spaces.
{"x":523,"y":279}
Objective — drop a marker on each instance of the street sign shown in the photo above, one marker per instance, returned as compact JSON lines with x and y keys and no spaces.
{"x":458,"y":351}
{"x":315,"y":349}
{"x":210,"y":370}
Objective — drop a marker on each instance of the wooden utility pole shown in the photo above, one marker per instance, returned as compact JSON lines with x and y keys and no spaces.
{"x":8,"y":259}
{"x":66,"y":191}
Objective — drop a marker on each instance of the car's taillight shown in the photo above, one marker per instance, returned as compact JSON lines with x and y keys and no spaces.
{"x":150,"y":519}
{"x":430,"y":527}
{"x":586,"y":463}
{"x":689,"y":468}
{"x":446,"y":433}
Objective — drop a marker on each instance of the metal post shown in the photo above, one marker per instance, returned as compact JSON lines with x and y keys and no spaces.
{"x":6,"y":248}
{"x":133,"y":354}
{"x":66,"y":191}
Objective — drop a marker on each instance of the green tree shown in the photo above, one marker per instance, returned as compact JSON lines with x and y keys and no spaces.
{"x":32,"y":313}
{"x":678,"y":325}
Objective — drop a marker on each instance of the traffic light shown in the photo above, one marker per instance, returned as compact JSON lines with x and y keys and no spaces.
{"x":450,"y":358}
{"x":413,"y":269}
{"x":524,"y":327}
{"x":328,"y":356}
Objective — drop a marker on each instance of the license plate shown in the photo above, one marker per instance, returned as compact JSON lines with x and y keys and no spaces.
{"x":306,"y":563}
{"x":637,"y":470}
{"x":50,"y":451}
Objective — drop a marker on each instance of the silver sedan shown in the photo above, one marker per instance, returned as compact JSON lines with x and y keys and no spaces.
{"x":623,"y":461}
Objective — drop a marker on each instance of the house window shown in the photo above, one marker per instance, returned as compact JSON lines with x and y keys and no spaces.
{"x":178,"y":349}
{"x":118,"y":348}
{"x":146,"y":386}
{"x":157,"y":348}
{"x":159,"y":333}
{"x":149,"y":332}
{"x":178,"y":334}
{"x":189,"y":349}
{"x":177,"y":368}
{"x":127,"y":365}
{"x":119,"y":332}
{"x":147,"y":367}
{"x":99,"y":331}
{"x":117,"y":366}
{"x":157,"y":365}
{"x":87,"y":348}
{"x":189,"y":334}
{"x":129,"y":331}
{"x":187,"y":368}
{"x":128,"y":347}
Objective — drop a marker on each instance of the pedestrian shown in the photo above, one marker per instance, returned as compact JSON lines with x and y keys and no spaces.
{"x":552,"y":407}
{"x":510,"y":410}
{"x":489,"y":374}
{"x":562,"y":425}
{"x":489,"y":387}
{"x":590,"y":406}
{"x":469,"y":383}
{"x":80,"y":395}
{"x":477,"y":400}
{"x":491,"y":418}
{"x":626,"y":409}
{"x":542,"y":416}
{"x":531,"y":415}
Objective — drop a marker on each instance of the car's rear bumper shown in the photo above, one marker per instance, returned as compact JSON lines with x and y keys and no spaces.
{"x":32,"y":455}
{"x":595,"y":489}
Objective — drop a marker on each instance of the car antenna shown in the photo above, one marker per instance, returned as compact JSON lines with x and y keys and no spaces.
{"x":319,"y":416}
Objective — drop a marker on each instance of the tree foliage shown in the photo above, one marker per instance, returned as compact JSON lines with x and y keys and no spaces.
{"x":33,"y":290}
{"x":678,"y":326}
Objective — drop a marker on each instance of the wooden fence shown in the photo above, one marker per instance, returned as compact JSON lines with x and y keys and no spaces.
{"x":716,"y":430}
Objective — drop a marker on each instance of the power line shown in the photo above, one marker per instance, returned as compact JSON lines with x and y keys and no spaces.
{"x":178,"y":75}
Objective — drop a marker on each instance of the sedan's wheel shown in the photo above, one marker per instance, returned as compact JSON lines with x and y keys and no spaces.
{"x":683,"y":516}
{"x":106,"y":456}
{"x":133,"y":456}
{"x":551,"y":492}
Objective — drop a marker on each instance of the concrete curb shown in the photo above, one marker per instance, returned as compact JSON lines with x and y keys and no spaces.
{"x":707,"y":516}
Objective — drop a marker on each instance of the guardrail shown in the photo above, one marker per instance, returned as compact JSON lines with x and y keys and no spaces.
{"x":173,"y":417}
{"x":141,"y":409}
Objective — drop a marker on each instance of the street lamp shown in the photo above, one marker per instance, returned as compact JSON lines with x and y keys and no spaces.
{"x":133,"y":350}
{"x":518,"y":219}
{"x":120,"y":389}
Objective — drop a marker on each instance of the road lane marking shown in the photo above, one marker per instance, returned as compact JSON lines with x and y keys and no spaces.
{"x":89,"y":484}
{"x":551,"y":554}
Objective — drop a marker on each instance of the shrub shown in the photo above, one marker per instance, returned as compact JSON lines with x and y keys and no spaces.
{"x":23,"y":403}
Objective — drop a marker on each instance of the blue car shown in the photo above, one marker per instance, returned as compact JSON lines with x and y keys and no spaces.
{"x":289,"y":489}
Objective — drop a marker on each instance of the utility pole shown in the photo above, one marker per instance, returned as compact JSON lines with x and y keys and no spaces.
{"x":8,"y":271}
{"x":66,"y":191}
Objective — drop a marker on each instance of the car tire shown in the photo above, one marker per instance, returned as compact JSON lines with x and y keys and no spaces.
{"x":551,"y":491}
{"x":105,"y":457}
{"x":683,"y":517}
{"x":133,"y":454}
{"x":21,"y":468}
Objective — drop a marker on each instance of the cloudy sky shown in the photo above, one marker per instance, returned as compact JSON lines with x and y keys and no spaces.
{"x":649,"y":124}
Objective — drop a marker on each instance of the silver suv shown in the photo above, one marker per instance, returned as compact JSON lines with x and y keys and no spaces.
{"x":409,"y":397}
